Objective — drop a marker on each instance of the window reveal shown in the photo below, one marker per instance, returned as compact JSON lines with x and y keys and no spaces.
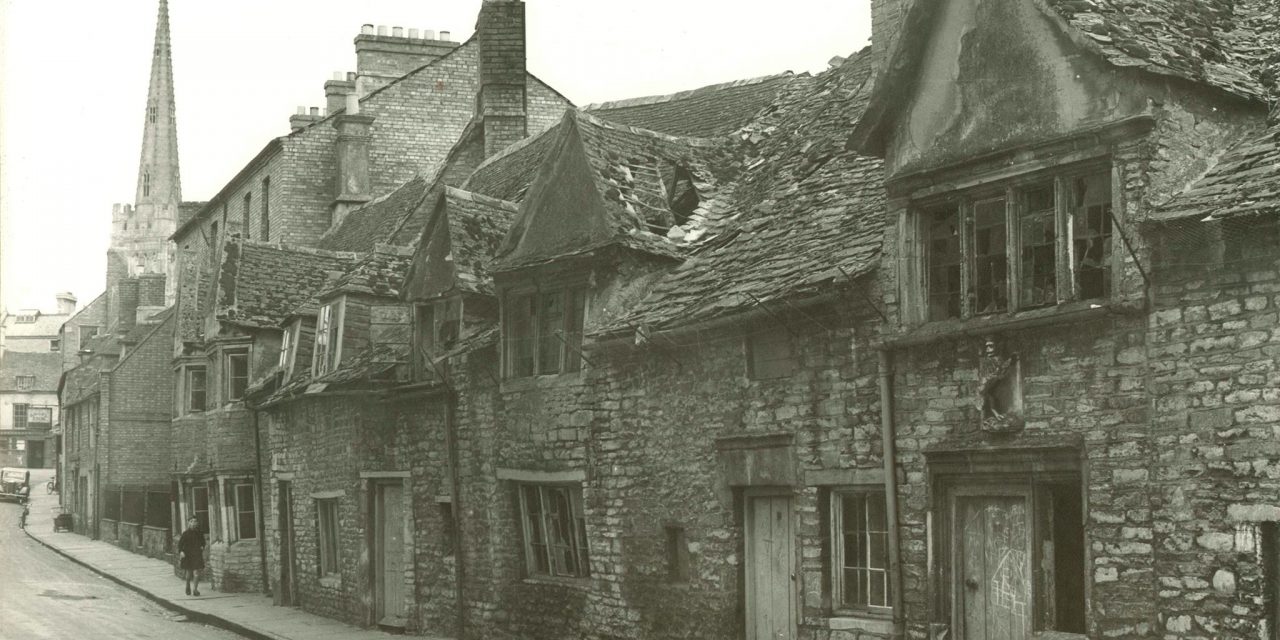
{"x":860,"y":550}
{"x":1038,"y":231}
{"x":543,"y":332}
{"x":237,"y":372}
{"x":555,"y":538}
{"x":327,"y":532}
{"x":195,"y":384}
{"x":246,"y":513}
{"x":246,"y":215}
{"x":990,"y":253}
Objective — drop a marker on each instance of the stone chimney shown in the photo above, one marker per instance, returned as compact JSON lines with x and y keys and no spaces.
{"x":337,"y":90}
{"x":886,"y":22}
{"x":352,"y":149}
{"x":124,"y":305}
{"x":66,"y":303}
{"x":501,"y":103}
{"x":382,"y":55}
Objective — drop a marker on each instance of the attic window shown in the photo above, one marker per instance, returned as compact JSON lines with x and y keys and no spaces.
{"x":542,"y":331}
{"x":436,"y":327}
{"x":25,"y":383}
{"x":27,"y":318}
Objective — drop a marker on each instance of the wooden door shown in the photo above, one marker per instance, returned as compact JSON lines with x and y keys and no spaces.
{"x":389,"y":540}
{"x":770,"y":569}
{"x":284,"y":489}
{"x":993,"y":560}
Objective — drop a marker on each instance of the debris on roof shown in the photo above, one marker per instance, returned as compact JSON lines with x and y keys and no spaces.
{"x":457,"y":245}
{"x":378,"y":220}
{"x":706,"y":112}
{"x":261,"y":284}
{"x":378,"y":273}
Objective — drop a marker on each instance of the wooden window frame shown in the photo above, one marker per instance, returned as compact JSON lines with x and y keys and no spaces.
{"x":188,"y":387}
{"x":1067,"y":285}
{"x":431,"y":334}
{"x":20,"y":412}
{"x":241,"y":509}
{"x":24,"y":382}
{"x":835,"y":504}
{"x":327,"y":354}
{"x":207,"y":521}
{"x":539,"y":552}
{"x":574,"y":305}
{"x":229,"y":385}
{"x":286,"y":348}
{"x":328,"y":549}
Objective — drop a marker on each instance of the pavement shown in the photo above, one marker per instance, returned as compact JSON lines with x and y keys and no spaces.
{"x":248,"y":614}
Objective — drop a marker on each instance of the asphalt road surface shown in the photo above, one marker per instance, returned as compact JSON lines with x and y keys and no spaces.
{"x":44,"y":595}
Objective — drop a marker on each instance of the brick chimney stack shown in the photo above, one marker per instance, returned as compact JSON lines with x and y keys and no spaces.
{"x":383,"y":55}
{"x":352,"y":149}
{"x":501,"y":103}
{"x":337,"y":90}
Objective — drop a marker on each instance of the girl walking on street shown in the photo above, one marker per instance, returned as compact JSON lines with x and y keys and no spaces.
{"x":191,"y":548}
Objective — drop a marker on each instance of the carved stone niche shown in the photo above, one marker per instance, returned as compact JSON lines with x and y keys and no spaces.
{"x":999,"y":400}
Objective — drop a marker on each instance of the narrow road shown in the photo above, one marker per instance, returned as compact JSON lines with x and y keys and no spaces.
{"x":44,"y":595}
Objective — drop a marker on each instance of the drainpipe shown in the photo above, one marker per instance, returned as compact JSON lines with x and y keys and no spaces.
{"x":262,"y":507}
{"x":455,"y":497}
{"x":889,"y":453}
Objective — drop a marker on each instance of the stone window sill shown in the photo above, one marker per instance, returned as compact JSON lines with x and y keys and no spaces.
{"x":863,"y":623}
{"x":1066,"y":313}
{"x":579,"y":584}
{"x":331,"y":581}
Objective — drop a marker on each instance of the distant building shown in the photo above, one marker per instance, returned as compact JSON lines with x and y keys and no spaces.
{"x":33,"y":330}
{"x":30,"y":363}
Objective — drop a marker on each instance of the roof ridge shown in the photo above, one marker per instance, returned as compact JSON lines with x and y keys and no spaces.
{"x":297,"y":248}
{"x":680,"y":95}
{"x":482,"y":199}
{"x":514,"y":147}
{"x":617,"y":126}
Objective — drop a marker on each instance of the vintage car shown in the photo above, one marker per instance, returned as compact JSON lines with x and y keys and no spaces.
{"x":12,"y":483}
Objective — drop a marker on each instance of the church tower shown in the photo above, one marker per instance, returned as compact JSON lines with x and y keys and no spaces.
{"x":140,"y":233}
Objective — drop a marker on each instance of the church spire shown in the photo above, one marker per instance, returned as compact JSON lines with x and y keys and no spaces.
{"x":159,"y":182}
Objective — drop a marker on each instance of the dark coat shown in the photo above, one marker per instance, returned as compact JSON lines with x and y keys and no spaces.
{"x":191,"y":546}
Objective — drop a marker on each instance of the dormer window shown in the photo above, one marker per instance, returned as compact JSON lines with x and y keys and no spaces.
{"x":286,"y":350}
{"x":27,"y":318}
{"x":542,"y":331}
{"x":1024,"y":244}
{"x":25,"y":383}
{"x":436,"y":327}
{"x":328,"y":351}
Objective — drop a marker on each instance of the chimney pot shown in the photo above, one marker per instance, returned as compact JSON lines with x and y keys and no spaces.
{"x":382,"y":30}
{"x":351,"y":76}
{"x":366,"y":29}
{"x":338,"y":75}
{"x":429,"y":34}
{"x":397,"y":32}
{"x":444,"y":35}
{"x":413,"y":34}
{"x":353,"y":104}
{"x":315,"y":111}
{"x":302,"y":111}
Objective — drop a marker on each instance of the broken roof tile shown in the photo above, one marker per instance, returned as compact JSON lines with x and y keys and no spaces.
{"x":706,"y":112}
{"x":1245,"y":180}
{"x":262,"y":284}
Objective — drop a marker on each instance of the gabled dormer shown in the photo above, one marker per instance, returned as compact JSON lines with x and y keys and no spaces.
{"x":612,"y":207}
{"x":448,"y":282}
{"x":1023,"y":142}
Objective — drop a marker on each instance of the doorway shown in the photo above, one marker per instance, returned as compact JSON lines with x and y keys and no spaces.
{"x":389,"y":540}
{"x":769,"y":542}
{"x":35,"y":454}
{"x":284,"y":510}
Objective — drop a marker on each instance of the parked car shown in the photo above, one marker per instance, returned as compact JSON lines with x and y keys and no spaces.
{"x":12,"y":481}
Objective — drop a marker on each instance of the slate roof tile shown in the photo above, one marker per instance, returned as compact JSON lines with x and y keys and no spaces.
{"x":805,"y":211}
{"x":379,"y":220}
{"x":508,"y":174}
{"x":1228,"y":44}
{"x":378,"y":273}
{"x":706,"y":112}
{"x":262,"y":284}
{"x":1245,"y":181}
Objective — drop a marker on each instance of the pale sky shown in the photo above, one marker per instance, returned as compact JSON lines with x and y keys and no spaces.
{"x":73,"y":83}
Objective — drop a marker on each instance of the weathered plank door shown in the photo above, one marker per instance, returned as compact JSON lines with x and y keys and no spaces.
{"x":284,"y":489}
{"x":389,"y":532}
{"x":770,"y":569}
{"x":993,"y":567}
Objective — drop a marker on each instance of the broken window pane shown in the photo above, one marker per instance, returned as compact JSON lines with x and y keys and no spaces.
{"x":1091,"y":235}
{"x":1038,"y":285}
{"x":990,"y":259}
{"x":550,"y":332}
{"x":520,"y":338}
{"x":943,"y":257}
{"x":861,"y":579}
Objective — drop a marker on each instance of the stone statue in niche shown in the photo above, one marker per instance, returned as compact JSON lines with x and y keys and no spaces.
{"x":999,"y":390}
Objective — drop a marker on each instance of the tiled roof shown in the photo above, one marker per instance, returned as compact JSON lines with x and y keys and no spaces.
{"x":458,"y":244}
{"x":623,"y":195}
{"x":379,"y":365}
{"x":808,"y":211}
{"x":1245,"y":181}
{"x":262,"y":284}
{"x":45,"y":366}
{"x":508,"y":174}
{"x":379,"y":273}
{"x":378,"y":221}
{"x":707,"y":112}
{"x":188,"y":210}
{"x":46,"y":324}
{"x":1221,"y":43}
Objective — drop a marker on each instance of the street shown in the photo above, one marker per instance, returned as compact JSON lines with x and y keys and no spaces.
{"x":44,"y":595}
